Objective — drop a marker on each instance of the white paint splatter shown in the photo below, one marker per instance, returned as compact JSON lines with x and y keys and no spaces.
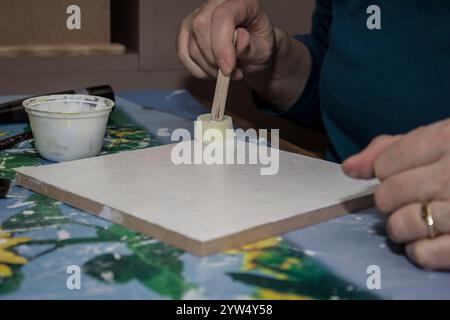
{"x":108,"y":276}
{"x":3,"y":163}
{"x":21,"y":204}
{"x":194,"y":294}
{"x":175,"y":93}
{"x":28,"y":212}
{"x":145,"y":242}
{"x":382,"y":245}
{"x":309,"y":253}
{"x":143,"y":145}
{"x":117,"y":256}
{"x":11,"y":151}
{"x":63,"y":235}
{"x":82,"y":221}
{"x":111,"y":215}
{"x":54,"y":218}
{"x":22,"y":229}
{"x":228,"y":260}
{"x":163,"y":132}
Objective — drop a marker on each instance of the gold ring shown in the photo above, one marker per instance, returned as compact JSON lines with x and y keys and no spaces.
{"x":428,"y":218}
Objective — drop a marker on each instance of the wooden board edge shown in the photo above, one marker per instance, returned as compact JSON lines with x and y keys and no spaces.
{"x":115,"y":216}
{"x":188,"y":244}
{"x":281,"y":227}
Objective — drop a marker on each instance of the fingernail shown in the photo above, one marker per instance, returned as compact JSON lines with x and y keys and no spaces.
{"x":352,"y":159}
{"x":225,"y":67}
{"x":238,"y":74}
{"x":353,"y":174}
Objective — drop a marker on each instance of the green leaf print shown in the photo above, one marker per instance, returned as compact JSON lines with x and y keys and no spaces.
{"x":11,"y":284}
{"x":288,"y":271}
{"x":155,"y":265}
{"x":44,"y":213}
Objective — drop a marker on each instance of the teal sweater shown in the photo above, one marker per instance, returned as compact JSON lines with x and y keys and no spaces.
{"x":366,"y":80}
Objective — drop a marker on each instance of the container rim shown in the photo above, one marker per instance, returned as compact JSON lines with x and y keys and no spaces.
{"x":32,"y":104}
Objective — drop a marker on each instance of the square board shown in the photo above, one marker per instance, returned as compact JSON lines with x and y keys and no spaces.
{"x":202,"y":209}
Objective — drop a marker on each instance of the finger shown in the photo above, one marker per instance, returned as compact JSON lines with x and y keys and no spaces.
{"x":237,"y":75}
{"x":199,"y":59}
{"x":184,"y":56}
{"x":418,"y":148}
{"x":224,"y":20}
{"x":417,"y":185}
{"x":361,"y":165}
{"x":407,"y":224}
{"x":431,"y":253}
{"x":242,"y":42}
{"x":201,"y":29}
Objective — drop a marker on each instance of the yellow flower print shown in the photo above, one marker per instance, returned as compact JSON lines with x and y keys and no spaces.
{"x":251,"y":253}
{"x":7,"y":257}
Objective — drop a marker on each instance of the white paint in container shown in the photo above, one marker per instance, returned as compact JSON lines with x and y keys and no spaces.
{"x":68,"y":127}
{"x":205,"y":123}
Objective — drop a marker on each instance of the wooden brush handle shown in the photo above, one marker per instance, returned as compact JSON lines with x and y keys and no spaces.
{"x":221,"y":93}
{"x":220,"y":96}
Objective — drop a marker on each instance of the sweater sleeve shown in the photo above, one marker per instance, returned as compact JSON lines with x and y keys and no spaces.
{"x":306,"y":111}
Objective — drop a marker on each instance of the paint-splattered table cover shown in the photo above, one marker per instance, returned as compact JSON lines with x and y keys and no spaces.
{"x":42,"y":241}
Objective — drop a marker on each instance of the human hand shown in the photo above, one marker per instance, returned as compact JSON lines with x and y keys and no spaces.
{"x":205,"y":40}
{"x":414,"y":172}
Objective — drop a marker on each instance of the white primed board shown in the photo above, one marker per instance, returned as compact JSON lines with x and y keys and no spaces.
{"x":201,"y":208}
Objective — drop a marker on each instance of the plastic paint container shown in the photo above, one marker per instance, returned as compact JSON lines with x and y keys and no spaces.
{"x":68,"y":127}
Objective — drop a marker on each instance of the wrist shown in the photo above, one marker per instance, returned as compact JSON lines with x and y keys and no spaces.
{"x":283,"y":81}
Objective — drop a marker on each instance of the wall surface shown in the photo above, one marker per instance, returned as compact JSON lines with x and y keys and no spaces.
{"x":149,"y":28}
{"x":28,"y":22}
